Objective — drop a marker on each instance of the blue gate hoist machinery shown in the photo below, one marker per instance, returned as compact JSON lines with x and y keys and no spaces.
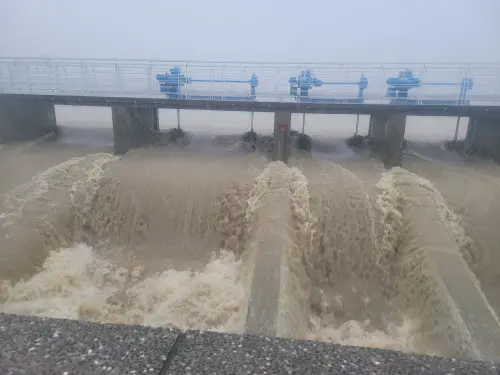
{"x":300,"y":86}
{"x":398,"y":88}
{"x":172,"y":81}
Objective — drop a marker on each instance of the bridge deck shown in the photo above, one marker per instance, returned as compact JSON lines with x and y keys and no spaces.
{"x":262,"y":106}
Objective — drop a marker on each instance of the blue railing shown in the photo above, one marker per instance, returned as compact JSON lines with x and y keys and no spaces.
{"x":454,"y":83}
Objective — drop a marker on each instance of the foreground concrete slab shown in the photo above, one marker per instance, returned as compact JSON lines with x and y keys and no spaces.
{"x":214,"y":353}
{"x":52,"y":346}
{"x":30,"y":346}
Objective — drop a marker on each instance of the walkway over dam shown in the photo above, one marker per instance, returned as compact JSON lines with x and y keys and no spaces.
{"x":135,"y":90}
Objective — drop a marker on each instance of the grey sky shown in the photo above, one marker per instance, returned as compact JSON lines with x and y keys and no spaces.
{"x":256,"y":30}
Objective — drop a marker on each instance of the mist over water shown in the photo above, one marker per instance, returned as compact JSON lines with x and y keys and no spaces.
{"x":166,"y":236}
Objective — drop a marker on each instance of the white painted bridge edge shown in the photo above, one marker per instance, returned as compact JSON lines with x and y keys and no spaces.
{"x":137,"y":78}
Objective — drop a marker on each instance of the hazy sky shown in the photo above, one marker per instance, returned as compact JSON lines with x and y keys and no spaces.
{"x":256,"y":30}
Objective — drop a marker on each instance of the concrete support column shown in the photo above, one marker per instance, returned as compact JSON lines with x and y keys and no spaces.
{"x":395,"y":135}
{"x":156,"y":120}
{"x":376,"y":131}
{"x":471,"y":129}
{"x":282,"y":123}
{"x":25,"y":119}
{"x":133,"y":126}
{"x":483,"y":137}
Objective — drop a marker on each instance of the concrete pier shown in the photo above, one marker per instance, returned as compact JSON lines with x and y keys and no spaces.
{"x":394,"y":138}
{"x":24,"y":119}
{"x":282,"y":124}
{"x":376,"y":131}
{"x":133,"y":126}
{"x":483,"y":137}
{"x":386,"y":132}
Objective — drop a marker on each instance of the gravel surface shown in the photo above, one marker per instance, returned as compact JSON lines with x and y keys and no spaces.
{"x":36,"y":346}
{"x":31,"y":345}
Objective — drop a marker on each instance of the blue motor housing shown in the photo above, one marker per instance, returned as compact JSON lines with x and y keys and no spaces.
{"x":398,"y":87}
{"x":303,"y":83}
{"x":300,"y":86}
{"x":363,"y":82}
{"x":172,"y":81}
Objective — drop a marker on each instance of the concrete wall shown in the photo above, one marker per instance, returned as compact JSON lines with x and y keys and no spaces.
{"x":24,"y":119}
{"x":483,"y":137}
{"x":386,"y":133}
{"x":282,"y":124}
{"x":394,"y":134}
{"x":376,"y":131}
{"x":133,"y":126}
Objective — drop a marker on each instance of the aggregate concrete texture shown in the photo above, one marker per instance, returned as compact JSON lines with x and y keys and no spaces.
{"x":39,"y":346}
{"x":30,"y":345}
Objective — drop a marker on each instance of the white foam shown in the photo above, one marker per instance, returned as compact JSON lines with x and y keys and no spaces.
{"x":75,"y":283}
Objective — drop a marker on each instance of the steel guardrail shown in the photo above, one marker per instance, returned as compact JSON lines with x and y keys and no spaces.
{"x":137,"y":78}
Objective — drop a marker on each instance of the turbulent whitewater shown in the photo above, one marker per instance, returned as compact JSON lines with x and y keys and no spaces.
{"x":167,"y":238}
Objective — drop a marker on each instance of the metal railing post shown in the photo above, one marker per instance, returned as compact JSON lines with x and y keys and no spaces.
{"x":455,"y":138}
{"x":150,"y":78}
{"x":117,"y":79}
{"x":11,"y":80}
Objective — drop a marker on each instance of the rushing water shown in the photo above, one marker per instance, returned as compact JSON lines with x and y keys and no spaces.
{"x":165,"y":236}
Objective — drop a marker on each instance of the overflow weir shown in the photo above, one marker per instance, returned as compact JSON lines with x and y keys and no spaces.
{"x":434,"y":282}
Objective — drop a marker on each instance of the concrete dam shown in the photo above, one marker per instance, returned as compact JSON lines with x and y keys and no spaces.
{"x":248,"y":252}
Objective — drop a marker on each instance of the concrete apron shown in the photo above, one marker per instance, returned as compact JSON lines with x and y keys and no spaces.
{"x":468,"y":323}
{"x":276,"y":304}
{"x":467,"y":320}
{"x":271,"y":241}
